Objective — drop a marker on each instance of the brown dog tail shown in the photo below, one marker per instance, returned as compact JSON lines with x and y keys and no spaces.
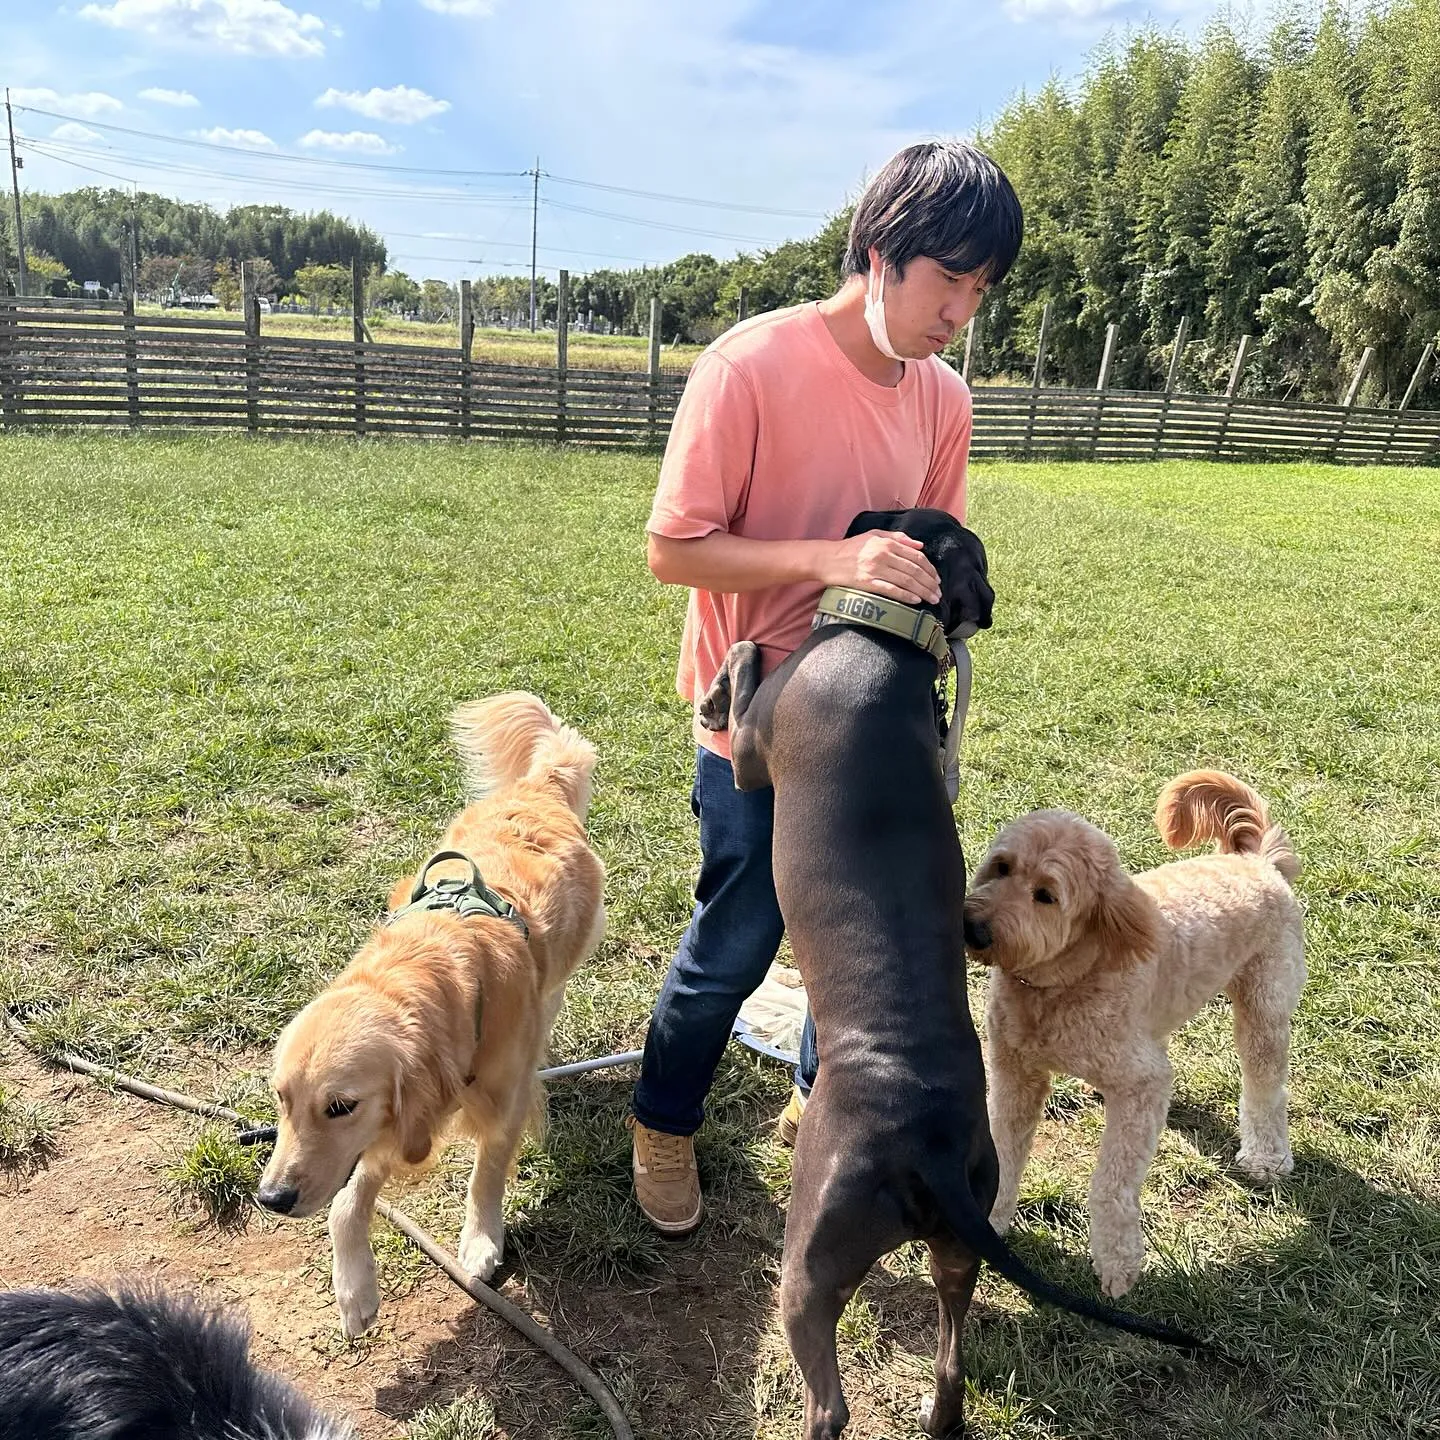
{"x":1209,"y":805}
{"x":510,"y":738}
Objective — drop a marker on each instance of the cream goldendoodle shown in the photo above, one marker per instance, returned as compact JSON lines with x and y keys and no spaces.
{"x":1094,"y":969}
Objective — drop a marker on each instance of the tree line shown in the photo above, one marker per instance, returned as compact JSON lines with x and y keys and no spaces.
{"x":92,"y":234}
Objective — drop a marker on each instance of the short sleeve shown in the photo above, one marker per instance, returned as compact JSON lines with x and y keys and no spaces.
{"x":944,"y":487}
{"x":710,"y":457}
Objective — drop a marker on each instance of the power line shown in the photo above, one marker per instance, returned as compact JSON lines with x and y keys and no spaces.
{"x":657,"y":224}
{"x":686,"y":199}
{"x":276,"y":154}
{"x":49,"y":147}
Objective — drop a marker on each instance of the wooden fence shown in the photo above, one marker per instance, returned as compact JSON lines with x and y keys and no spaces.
{"x":88,"y":363}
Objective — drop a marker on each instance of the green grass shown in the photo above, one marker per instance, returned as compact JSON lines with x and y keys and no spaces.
{"x":28,"y":1133}
{"x":223,"y":689}
{"x":215,"y":1175}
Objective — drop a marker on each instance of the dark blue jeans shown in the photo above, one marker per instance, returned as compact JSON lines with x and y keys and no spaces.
{"x":724,"y":953}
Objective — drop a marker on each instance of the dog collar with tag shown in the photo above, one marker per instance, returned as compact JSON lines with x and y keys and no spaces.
{"x":859,"y":607}
{"x":465,"y":897}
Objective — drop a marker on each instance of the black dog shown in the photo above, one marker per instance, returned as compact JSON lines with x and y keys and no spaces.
{"x":138,"y":1364}
{"x":895,"y":1144}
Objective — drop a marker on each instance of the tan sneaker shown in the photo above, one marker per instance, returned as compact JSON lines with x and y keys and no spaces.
{"x":787,"y":1127}
{"x":667,"y":1184}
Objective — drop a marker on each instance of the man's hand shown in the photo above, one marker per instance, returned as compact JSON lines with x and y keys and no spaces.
{"x":885,"y":562}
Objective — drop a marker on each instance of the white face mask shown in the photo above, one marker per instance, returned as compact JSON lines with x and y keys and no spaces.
{"x":875,"y":313}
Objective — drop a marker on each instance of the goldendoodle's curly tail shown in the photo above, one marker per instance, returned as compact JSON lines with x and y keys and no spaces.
{"x":1209,"y":805}
{"x":507,"y":738}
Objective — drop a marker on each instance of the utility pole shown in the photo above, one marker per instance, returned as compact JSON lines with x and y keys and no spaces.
{"x":15,"y":166}
{"x":534,"y":237}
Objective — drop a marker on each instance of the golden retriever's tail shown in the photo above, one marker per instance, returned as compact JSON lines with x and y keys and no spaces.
{"x":508,"y":738}
{"x":1209,"y":805}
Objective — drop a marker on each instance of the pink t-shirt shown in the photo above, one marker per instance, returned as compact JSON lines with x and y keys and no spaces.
{"x":779,"y":437}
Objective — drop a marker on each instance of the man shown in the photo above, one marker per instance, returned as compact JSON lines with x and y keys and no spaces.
{"x":790,"y":425}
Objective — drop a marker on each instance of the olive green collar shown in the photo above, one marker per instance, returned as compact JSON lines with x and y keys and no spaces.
{"x":859,"y":607}
{"x":464,"y":897}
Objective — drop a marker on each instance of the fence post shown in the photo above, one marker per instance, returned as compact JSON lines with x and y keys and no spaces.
{"x":467,"y":340}
{"x":1351,"y":395}
{"x":562,"y":351}
{"x":972,"y":348}
{"x":1237,"y":372}
{"x":1361,"y":370}
{"x":132,"y":370}
{"x":1040,"y":345}
{"x":1418,"y":378}
{"x":357,"y":312}
{"x":250,"y":313}
{"x":1172,"y":378}
{"x":654,"y":367}
{"x":9,"y":410}
{"x":742,"y":309}
{"x":1102,"y":384}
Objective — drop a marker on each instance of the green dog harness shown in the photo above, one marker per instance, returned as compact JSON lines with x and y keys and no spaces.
{"x":464,"y":897}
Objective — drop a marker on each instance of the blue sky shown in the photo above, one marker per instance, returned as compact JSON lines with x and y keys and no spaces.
{"x":341,"y":104}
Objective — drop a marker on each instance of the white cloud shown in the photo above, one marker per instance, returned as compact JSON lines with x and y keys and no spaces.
{"x":243,"y":27}
{"x":400,"y":104}
{"x":247,"y":139}
{"x":90,"y":104}
{"x":79,"y":134}
{"x":168,"y":97}
{"x":470,"y":9}
{"x":355,"y":142}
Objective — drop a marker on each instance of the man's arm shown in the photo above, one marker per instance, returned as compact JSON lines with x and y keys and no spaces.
{"x":884,"y":562}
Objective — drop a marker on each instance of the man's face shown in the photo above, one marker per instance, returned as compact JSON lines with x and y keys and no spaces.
{"x":925,"y":310}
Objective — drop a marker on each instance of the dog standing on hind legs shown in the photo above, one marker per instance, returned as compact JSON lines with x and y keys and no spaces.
{"x":445,"y":1012}
{"x":1094,"y":970}
{"x":895,"y":1144}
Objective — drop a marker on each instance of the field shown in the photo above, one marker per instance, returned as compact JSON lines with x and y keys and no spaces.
{"x":224,"y":679}
{"x":498,"y":346}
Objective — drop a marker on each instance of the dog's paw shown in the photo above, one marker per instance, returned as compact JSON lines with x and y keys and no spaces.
{"x":1118,"y":1273}
{"x":481,"y":1254}
{"x":1265,"y":1168}
{"x":714,"y":709}
{"x":359,"y":1304}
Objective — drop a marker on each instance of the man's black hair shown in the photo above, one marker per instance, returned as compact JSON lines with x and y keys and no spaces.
{"x":943,"y":199}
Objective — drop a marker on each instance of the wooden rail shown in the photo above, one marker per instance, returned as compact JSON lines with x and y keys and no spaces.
{"x":63,"y":365}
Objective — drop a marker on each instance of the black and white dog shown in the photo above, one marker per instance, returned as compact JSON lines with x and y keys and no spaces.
{"x":137,"y":1363}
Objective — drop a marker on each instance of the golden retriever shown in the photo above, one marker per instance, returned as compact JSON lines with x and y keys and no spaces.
{"x":440,"y":1017}
{"x":1093,"y":970}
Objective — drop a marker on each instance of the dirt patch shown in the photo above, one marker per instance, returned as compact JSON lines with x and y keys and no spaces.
{"x":694,"y":1349}
{"x":681,"y":1349}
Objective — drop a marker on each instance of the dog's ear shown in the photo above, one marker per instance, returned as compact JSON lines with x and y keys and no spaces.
{"x":868,"y":520}
{"x":1126,"y":923}
{"x":967,"y":603}
{"x":414,"y":1111}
